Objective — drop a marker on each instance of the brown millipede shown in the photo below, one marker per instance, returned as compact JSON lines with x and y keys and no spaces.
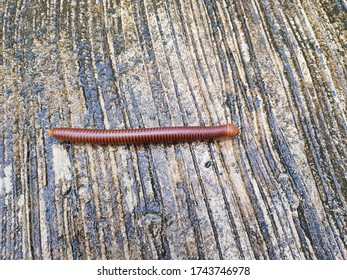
{"x":143,"y":135}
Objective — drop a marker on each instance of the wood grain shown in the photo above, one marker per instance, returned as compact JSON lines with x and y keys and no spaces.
{"x":277,"y":69}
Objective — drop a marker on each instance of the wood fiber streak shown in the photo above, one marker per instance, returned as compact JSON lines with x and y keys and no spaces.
{"x":275,"y":69}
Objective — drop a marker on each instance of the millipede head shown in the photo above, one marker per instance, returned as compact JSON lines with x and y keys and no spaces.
{"x":50,"y":132}
{"x":232,"y":130}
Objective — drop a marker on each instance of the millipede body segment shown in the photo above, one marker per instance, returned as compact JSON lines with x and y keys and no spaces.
{"x":143,"y":135}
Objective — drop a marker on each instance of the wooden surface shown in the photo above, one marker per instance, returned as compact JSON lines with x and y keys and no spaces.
{"x":276,"y":69}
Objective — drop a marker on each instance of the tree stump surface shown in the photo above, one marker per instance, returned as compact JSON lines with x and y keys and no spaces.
{"x":276,"y":69}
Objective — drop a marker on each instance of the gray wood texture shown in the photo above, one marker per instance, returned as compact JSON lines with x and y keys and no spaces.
{"x":276,"y":69}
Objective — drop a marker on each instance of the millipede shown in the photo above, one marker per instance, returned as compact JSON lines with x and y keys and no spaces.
{"x":143,"y":135}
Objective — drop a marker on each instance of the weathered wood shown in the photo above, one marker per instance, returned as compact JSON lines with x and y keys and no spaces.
{"x":277,"y":69}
